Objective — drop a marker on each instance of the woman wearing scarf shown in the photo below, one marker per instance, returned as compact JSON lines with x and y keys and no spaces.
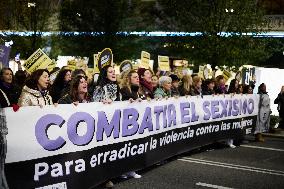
{"x":35,"y":91}
{"x":107,"y":89}
{"x":9,"y":93}
{"x":145,"y":80}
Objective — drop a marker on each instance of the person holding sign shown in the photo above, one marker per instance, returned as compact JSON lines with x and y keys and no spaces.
{"x":78,"y":92}
{"x":35,"y":91}
{"x":107,"y":89}
{"x":145,"y":80}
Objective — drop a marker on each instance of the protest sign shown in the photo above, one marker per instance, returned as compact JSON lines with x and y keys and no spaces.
{"x":145,"y":60}
{"x":164,"y":63}
{"x":4,"y":56}
{"x":82,"y":146}
{"x":96,"y":66}
{"x":38,"y":60}
{"x":71,"y":64}
{"x":125,"y":66}
{"x":105,"y":58}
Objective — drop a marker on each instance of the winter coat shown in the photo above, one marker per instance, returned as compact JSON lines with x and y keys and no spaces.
{"x":194,"y":92}
{"x":66,"y":99}
{"x":182,"y":91}
{"x":56,"y":92}
{"x":108,"y":91}
{"x":175,"y":91}
{"x":160,"y":93}
{"x":147,"y":93}
{"x":8,"y":95}
{"x":31,"y":97}
{"x":208,"y":92}
{"x":134,"y":94}
{"x":280,"y":101}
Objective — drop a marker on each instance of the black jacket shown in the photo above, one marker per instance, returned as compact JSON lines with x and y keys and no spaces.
{"x":12,"y":93}
{"x":280,"y":101}
{"x":134,"y":94}
{"x":56,"y":92}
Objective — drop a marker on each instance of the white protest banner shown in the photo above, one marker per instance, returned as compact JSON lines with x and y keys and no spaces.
{"x":164,"y":63}
{"x":38,"y":60}
{"x":82,"y":146}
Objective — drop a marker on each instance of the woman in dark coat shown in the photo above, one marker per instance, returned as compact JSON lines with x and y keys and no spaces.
{"x":234,"y":87}
{"x":9,"y":93}
{"x":130,"y":87}
{"x":280,"y":101}
{"x":208,"y":87}
{"x":61,"y":82}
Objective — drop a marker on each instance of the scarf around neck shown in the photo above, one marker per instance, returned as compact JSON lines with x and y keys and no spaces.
{"x":146,"y":84}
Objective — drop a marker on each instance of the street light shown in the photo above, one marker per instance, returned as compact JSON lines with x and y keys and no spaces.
{"x":229,"y":10}
{"x":33,"y":4}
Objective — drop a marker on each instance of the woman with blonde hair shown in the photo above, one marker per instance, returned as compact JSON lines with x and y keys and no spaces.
{"x":186,"y":83}
{"x":130,"y":86}
{"x":196,"y":86}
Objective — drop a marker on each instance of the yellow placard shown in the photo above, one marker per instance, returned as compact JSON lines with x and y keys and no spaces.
{"x":164,"y":63}
{"x":145,"y":60}
{"x":38,"y":60}
{"x":226,"y":75}
{"x":51,"y":66}
{"x":71,"y":64}
{"x":96,"y":65}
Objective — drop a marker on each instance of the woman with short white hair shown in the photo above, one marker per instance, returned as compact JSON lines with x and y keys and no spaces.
{"x":164,"y":90}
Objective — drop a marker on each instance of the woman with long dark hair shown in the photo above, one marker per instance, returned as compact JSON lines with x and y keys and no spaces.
{"x":107,"y":89}
{"x":9,"y":93}
{"x":78,"y":92}
{"x":61,"y":82}
{"x":35,"y":91}
{"x":234,"y":86}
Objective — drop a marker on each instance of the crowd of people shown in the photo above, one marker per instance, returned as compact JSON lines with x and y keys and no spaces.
{"x":69,"y":86}
{"x":21,"y":89}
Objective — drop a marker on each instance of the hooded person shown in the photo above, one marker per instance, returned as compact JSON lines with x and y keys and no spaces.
{"x":145,"y":80}
{"x":107,"y":89}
